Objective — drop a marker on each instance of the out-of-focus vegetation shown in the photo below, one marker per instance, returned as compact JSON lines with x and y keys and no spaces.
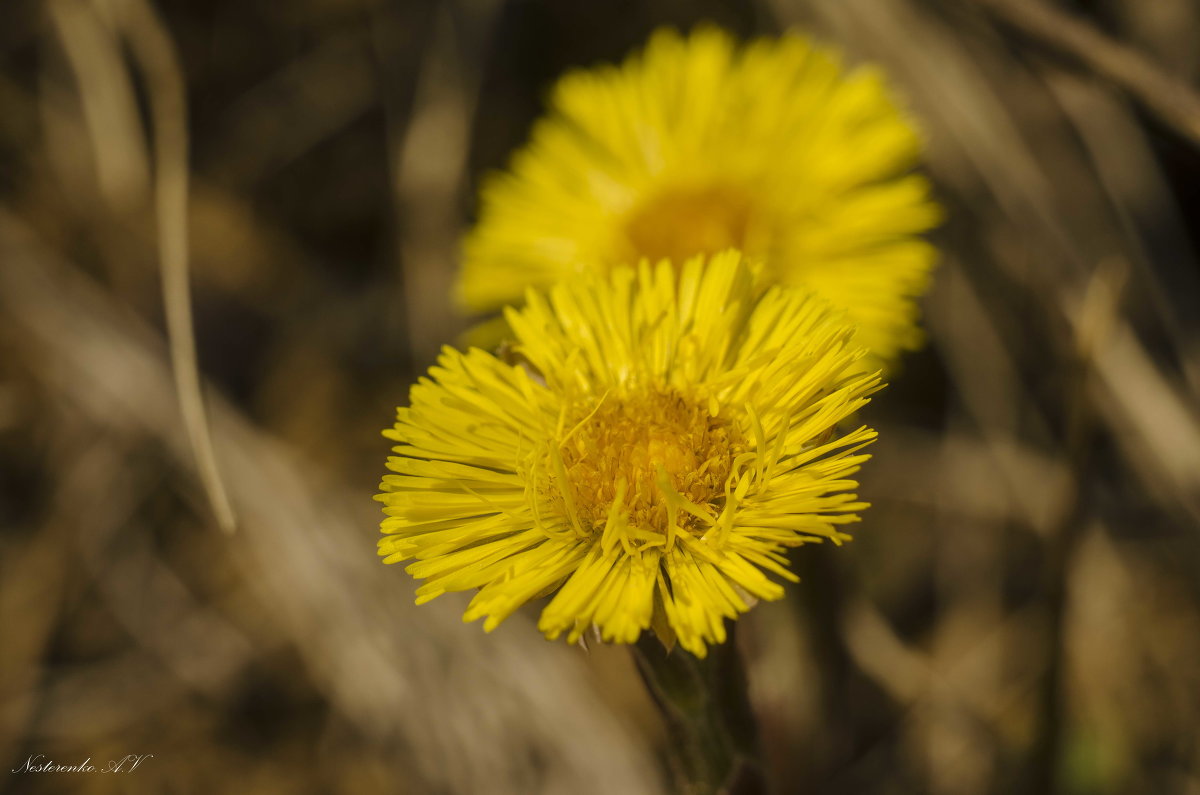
{"x":1020,"y":610}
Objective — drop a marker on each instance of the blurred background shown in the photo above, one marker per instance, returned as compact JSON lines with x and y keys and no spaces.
{"x":1020,"y":611}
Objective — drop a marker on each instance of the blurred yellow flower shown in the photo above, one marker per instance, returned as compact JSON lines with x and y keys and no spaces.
{"x":662,"y":437}
{"x":697,"y":145}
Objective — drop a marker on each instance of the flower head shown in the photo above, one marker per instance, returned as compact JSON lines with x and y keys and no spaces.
{"x":697,"y":145}
{"x":663,"y":439}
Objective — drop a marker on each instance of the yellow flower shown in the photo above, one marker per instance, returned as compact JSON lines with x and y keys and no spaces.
{"x":696,"y":146}
{"x":662,"y":438}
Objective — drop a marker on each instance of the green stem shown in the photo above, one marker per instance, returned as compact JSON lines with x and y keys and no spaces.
{"x":705,"y":702}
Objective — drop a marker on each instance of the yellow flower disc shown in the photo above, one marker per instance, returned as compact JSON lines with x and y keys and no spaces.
{"x":664,"y":435}
{"x":697,"y":145}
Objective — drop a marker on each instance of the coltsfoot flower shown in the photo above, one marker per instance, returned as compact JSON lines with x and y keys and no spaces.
{"x":697,"y":145}
{"x":662,"y":438}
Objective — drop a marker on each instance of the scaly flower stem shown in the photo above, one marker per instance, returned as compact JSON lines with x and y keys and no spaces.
{"x":707,"y":709}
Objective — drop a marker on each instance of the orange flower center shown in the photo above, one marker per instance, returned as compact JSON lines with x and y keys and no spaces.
{"x":634,"y":446}
{"x":682,"y":223}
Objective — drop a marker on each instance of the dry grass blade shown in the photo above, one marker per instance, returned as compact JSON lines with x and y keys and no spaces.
{"x":1171,"y":99}
{"x":155,"y":54}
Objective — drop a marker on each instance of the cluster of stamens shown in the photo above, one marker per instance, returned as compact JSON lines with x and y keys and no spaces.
{"x":638,"y":446}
